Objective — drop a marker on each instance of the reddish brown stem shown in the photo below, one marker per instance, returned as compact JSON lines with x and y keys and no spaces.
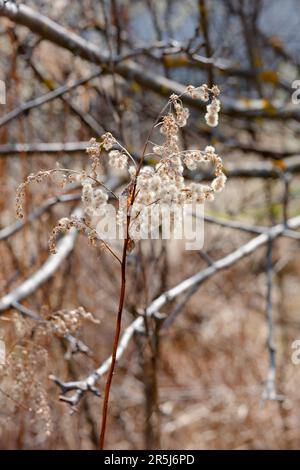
{"x":115,"y":346}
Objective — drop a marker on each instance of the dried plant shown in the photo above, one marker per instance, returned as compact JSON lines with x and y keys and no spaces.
{"x":162,"y":183}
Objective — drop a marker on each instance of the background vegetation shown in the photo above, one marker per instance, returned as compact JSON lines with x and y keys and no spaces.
{"x":212,"y":367}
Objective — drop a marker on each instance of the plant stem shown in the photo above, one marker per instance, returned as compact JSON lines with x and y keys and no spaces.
{"x":115,"y":345}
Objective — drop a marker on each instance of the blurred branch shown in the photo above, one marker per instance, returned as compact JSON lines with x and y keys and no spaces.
{"x":248,"y":170}
{"x":259,"y":170}
{"x":188,"y":285}
{"x":223,"y":263}
{"x":82,"y":386}
{"x":39,"y":101}
{"x":287,"y":178}
{"x":263,"y":152}
{"x":276,"y":44}
{"x":75,"y":147}
{"x":235,"y":224}
{"x":6,"y":232}
{"x":204,"y":23}
{"x":76,"y":345}
{"x":270,"y":392}
{"x":175,"y":54}
{"x":86,"y":118}
{"x":248,"y":23}
{"x":52,"y":31}
{"x":64,"y":248}
{"x":49,"y":148}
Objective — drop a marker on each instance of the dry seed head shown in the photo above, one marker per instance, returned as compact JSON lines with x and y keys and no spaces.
{"x":94,"y":152}
{"x":118,"y":159}
{"x":108,"y":141}
{"x":65,"y":321}
{"x":21,"y":189}
{"x":165,"y":183}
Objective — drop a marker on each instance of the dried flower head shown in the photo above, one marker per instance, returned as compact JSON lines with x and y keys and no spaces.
{"x":212,"y":115}
{"x":118,"y":159}
{"x":108,"y":141}
{"x":64,"y":322}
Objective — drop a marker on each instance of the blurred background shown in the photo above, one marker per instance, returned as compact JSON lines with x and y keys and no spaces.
{"x":214,"y":370}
